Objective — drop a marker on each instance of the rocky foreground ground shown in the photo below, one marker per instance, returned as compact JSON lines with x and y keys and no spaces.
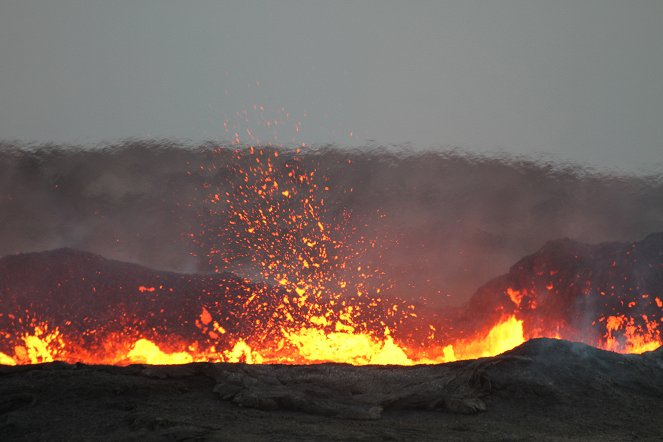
{"x":543,"y":390}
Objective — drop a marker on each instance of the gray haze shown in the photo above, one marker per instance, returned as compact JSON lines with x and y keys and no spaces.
{"x":443,"y":224}
{"x":567,"y":80}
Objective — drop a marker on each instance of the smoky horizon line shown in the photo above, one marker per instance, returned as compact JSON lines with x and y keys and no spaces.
{"x":548,"y":162}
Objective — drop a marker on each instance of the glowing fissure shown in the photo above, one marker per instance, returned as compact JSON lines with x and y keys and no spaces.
{"x":307,"y":345}
{"x":321,"y":301}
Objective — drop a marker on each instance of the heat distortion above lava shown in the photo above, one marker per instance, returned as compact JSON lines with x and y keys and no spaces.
{"x":294,"y":285}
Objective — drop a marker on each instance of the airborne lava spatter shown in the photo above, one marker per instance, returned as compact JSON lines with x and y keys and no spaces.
{"x":320,"y":298}
{"x":278,"y":226}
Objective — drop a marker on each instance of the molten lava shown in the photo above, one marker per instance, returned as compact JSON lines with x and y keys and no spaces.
{"x":318,"y":300}
{"x":307,"y":345}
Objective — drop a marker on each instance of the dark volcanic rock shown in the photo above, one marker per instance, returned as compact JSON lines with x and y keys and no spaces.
{"x":574,"y":287}
{"x":545,"y":390}
{"x":79,"y":291}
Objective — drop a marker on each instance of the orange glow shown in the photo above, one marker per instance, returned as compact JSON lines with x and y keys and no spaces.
{"x":305,"y":346}
{"x":40,"y":346}
{"x":6,"y":360}
{"x":320,"y":299}
{"x":516,"y":296}
{"x":636,"y":339}
{"x":147,"y":352}
{"x":314,"y":345}
{"x":502,"y":337}
{"x":311,"y":344}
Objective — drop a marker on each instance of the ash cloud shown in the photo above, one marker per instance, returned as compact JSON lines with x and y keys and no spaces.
{"x":446,"y":221}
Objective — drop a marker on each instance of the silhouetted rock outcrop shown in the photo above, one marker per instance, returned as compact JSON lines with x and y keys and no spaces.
{"x":77,"y":290}
{"x":574,"y":287}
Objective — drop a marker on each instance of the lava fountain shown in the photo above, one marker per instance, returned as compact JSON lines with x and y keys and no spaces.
{"x":293,"y":285}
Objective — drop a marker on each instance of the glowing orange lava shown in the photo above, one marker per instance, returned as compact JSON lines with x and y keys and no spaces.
{"x":321,"y":300}
{"x":307,"y":345}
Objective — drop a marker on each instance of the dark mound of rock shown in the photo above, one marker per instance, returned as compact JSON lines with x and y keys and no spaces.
{"x":545,"y":389}
{"x":576,"y":286}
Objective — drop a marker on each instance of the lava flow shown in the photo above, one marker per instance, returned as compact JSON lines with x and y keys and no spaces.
{"x":293,"y":285}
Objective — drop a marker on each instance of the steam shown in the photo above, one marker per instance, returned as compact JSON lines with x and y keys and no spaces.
{"x":446,"y":221}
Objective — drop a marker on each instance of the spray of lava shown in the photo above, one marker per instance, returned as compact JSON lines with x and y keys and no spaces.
{"x":318,"y":299}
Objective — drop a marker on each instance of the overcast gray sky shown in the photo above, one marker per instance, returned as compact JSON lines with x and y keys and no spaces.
{"x":574,"y":80}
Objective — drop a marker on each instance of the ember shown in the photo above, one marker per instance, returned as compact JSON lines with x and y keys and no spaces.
{"x":307,"y":294}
